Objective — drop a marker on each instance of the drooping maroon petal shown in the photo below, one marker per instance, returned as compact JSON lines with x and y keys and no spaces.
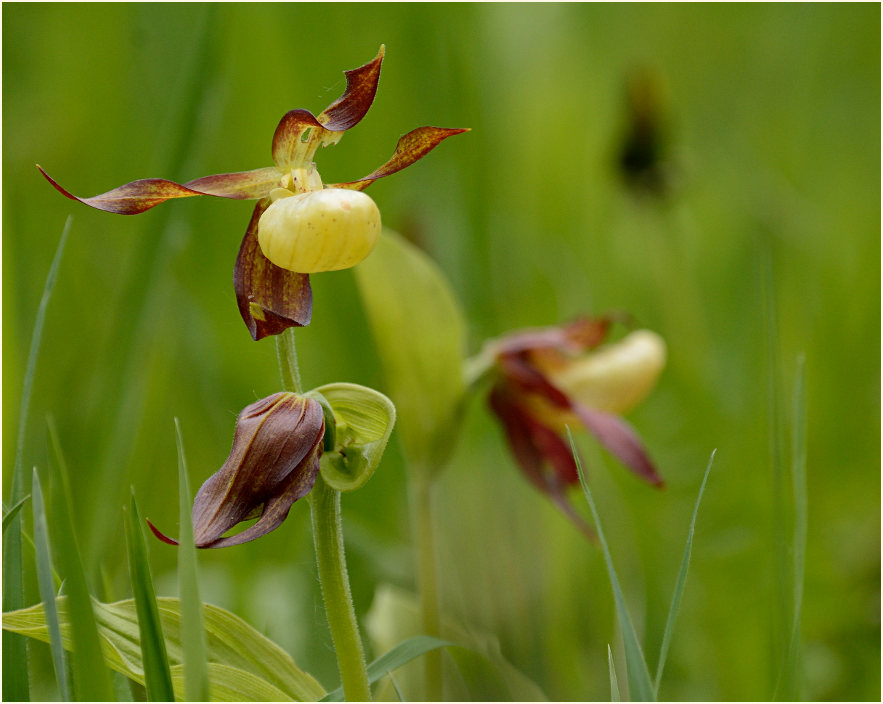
{"x":131,"y":198}
{"x":270,"y":299}
{"x":272,"y":464}
{"x":243,"y":185}
{"x":532,"y":443}
{"x":159,"y":534}
{"x":361,"y":86}
{"x":287,"y":138}
{"x":621,"y":440}
{"x":528,"y":378}
{"x":410,"y":148}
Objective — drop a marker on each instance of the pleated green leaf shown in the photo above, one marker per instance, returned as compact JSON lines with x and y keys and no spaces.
{"x":419,"y":332}
{"x":640,"y":686}
{"x":233,"y":647}
{"x":364,"y":419}
{"x":157,"y":678}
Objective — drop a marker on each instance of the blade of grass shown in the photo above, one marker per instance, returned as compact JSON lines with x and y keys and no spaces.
{"x":614,"y":685}
{"x":91,"y":680}
{"x":682,"y":580}
{"x":640,"y":686}
{"x":791,"y":674}
{"x":46,"y":582}
{"x":155,"y":660}
{"x":15,"y":655}
{"x":192,"y":628}
{"x":400,"y":655}
{"x":13,"y":512}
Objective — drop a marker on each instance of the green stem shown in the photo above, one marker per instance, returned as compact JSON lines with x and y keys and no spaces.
{"x":328,"y":538}
{"x":427,"y":581}
{"x":288,"y":367}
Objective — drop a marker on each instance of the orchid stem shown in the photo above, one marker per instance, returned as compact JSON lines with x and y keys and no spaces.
{"x":289,"y":370}
{"x":330,"y":558}
{"x":427,"y":581}
{"x":328,"y":538}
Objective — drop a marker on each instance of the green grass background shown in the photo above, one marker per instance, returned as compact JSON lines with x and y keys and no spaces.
{"x":774,"y":114}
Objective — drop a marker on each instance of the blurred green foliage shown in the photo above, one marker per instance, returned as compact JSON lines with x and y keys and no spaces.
{"x":770,"y":125}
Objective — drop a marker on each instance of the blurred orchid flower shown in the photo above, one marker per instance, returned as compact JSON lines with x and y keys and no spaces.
{"x":547,"y":378}
{"x":299,"y":226}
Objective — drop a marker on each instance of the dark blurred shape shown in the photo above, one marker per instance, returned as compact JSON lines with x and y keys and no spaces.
{"x":641,"y":156}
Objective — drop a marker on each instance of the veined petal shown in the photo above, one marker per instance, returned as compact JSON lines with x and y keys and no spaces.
{"x":243,"y":185}
{"x":131,"y":198}
{"x":270,"y":298}
{"x":410,"y":148}
{"x":621,"y":440}
{"x":288,"y":145}
{"x":361,"y":87}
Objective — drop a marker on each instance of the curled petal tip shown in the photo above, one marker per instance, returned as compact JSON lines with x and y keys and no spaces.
{"x":159,"y":534}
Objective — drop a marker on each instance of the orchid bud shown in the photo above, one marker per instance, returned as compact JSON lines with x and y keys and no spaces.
{"x":274,"y":461}
{"x":613,"y":378}
{"x":326,"y":230}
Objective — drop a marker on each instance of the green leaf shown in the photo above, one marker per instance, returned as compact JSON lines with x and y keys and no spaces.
{"x":419,"y":332}
{"x":157,"y":677}
{"x":13,"y":512}
{"x":682,"y":580}
{"x":232,"y":644}
{"x":91,"y":679}
{"x":400,"y":655}
{"x":46,"y":582}
{"x":614,"y":685}
{"x":196,"y":678}
{"x":640,"y":687}
{"x":15,"y":656}
{"x":363,"y":422}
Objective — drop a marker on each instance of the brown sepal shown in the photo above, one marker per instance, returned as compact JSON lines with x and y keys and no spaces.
{"x":410,"y":148}
{"x":287,"y":137}
{"x":136,"y":197}
{"x":270,"y":299}
{"x":361,"y":87}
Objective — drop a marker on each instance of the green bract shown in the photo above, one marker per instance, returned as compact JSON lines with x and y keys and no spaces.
{"x":363,"y":421}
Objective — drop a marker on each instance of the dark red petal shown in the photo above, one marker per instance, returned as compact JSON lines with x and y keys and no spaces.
{"x":532,"y":443}
{"x":287,"y":138}
{"x":528,"y":378}
{"x":159,"y":534}
{"x":410,"y":148}
{"x":621,"y":440}
{"x":270,"y":298}
{"x":574,"y":337}
{"x":361,"y":86}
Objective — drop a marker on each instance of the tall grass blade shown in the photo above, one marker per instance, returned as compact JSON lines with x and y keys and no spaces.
{"x":15,"y":656}
{"x":682,"y":580}
{"x":9,"y":515}
{"x":157,"y":677}
{"x":401,"y":654}
{"x":46,"y":582}
{"x":614,"y":685}
{"x":192,"y":628}
{"x":640,"y":686}
{"x":792,"y":668}
{"x":91,"y":680}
